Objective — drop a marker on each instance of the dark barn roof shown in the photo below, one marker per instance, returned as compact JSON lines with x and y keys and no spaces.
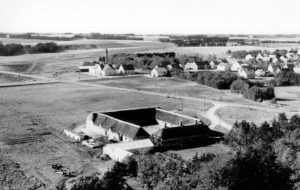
{"x":182,"y":132}
{"x":116,"y":126}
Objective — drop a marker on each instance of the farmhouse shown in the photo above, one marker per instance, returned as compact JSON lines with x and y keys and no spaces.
{"x":159,"y":72}
{"x":135,"y":124}
{"x":126,"y":69}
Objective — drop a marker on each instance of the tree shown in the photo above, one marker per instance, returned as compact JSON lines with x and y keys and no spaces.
{"x":255,"y":170}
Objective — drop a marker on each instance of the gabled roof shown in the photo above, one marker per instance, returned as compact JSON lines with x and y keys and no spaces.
{"x":170,"y":133}
{"x":128,"y":67}
{"x":117,"y":126}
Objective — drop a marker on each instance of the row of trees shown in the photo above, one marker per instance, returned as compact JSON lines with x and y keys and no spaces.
{"x":287,"y":78}
{"x":18,"y":49}
{"x":199,"y":40}
{"x":219,"y":80}
{"x":252,"y":91}
{"x":114,"y":179}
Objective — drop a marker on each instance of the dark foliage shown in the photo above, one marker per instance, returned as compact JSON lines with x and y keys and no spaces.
{"x":18,"y":49}
{"x":219,"y":80}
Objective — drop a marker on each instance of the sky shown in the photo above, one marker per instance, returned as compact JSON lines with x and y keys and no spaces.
{"x":151,"y":16}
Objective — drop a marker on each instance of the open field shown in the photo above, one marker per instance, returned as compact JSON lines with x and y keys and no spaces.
{"x":178,"y":87}
{"x":33,"y":117}
{"x":288,"y":97}
{"x":221,"y":51}
{"x":233,"y":114}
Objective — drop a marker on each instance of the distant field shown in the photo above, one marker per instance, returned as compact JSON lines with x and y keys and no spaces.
{"x":222,"y":51}
{"x":66,"y":62}
{"x":219,"y":51}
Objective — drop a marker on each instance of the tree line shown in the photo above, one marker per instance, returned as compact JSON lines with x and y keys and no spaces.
{"x":19,"y":49}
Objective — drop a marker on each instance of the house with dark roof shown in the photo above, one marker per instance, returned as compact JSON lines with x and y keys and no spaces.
{"x":127,"y":69}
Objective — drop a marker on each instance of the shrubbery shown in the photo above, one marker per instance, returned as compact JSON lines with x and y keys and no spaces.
{"x":252,"y":91}
{"x":287,"y":78}
{"x":219,"y":80}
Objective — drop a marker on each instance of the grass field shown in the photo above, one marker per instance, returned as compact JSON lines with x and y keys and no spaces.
{"x":233,"y":114}
{"x":221,"y":52}
{"x":27,"y":112}
{"x":177,"y":87}
{"x":288,"y":97}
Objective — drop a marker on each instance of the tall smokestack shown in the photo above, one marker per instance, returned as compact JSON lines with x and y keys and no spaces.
{"x":106,"y":57}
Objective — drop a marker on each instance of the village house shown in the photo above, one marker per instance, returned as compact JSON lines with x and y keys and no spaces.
{"x":107,"y":70}
{"x":296,"y":68}
{"x":191,"y":66}
{"x":260,"y":73}
{"x":248,"y":57}
{"x":284,"y":58}
{"x":274,"y":69}
{"x":126,"y":69}
{"x":159,"y":72}
{"x":214,"y":64}
{"x":236,"y":65}
{"x":223,"y":67}
{"x":246,"y":72}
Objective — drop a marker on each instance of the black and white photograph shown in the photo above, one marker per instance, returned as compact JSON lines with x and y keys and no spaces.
{"x":149,"y":95}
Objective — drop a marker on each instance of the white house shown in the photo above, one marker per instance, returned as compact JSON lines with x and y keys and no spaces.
{"x":159,"y":72}
{"x":260,"y":73}
{"x":236,"y":65}
{"x":297,"y":69}
{"x":223,"y":67}
{"x":107,"y":70}
{"x":248,"y":57}
{"x":259,"y":56}
{"x":272,"y":68}
{"x":245,"y":73}
{"x":126,"y":69}
{"x":284,"y":58}
{"x":214,"y":64}
{"x":191,"y":66}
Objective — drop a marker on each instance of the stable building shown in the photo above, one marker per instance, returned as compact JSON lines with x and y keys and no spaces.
{"x":135,"y":124}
